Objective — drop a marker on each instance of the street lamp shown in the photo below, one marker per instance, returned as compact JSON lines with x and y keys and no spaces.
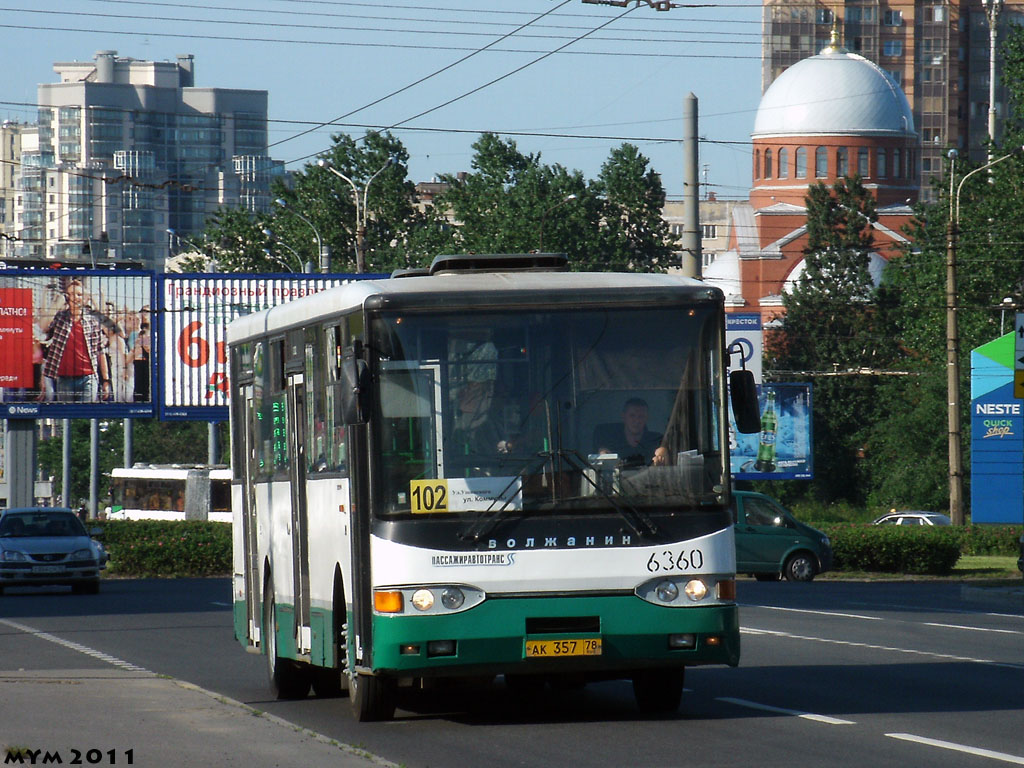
{"x":277,"y":259}
{"x":361,"y":212}
{"x":956,"y":472}
{"x":543,"y":216}
{"x":324,"y":251}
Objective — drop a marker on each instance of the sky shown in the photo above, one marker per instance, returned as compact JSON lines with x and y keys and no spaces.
{"x":568,"y":79}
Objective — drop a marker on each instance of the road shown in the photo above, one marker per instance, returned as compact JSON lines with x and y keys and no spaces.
{"x":833,"y":674}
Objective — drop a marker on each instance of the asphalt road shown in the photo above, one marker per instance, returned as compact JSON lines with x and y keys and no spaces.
{"x":832,"y":674}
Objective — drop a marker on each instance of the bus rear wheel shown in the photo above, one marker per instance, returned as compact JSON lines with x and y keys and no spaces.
{"x":658,"y":691}
{"x":373,"y":698}
{"x":288,"y":679}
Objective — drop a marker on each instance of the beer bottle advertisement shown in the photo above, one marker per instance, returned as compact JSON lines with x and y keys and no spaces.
{"x":782,"y":449}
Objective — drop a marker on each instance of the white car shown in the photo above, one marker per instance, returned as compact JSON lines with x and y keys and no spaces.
{"x":913,"y":518}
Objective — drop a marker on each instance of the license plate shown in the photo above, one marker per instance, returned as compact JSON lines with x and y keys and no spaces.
{"x":553,"y":649}
{"x":47,"y":569}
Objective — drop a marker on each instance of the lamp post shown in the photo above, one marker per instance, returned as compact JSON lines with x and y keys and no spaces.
{"x":956,"y":472}
{"x":200,"y":249}
{"x":361,"y":211}
{"x":277,"y":259}
{"x":543,"y":217}
{"x":322,"y":250}
{"x":992,"y":8}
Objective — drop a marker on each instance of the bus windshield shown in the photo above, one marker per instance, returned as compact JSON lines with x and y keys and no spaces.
{"x":531,"y":410}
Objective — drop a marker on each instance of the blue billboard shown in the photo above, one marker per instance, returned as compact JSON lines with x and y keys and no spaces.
{"x":783,"y":449}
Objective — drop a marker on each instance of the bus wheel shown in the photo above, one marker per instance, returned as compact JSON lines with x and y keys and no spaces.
{"x":288,"y":679}
{"x":372,"y":697}
{"x":658,"y":691}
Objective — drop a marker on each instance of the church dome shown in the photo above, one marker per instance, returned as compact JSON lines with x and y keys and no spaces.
{"x":835,"y":92}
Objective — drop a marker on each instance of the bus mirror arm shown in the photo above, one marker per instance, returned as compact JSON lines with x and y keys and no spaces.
{"x":355,"y":391}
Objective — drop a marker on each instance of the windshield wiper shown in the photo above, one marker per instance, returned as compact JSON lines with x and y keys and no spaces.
{"x":487,"y":519}
{"x":639,"y":523}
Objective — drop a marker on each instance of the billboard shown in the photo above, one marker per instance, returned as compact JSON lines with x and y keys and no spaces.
{"x":783,"y":449}
{"x":75,"y":344}
{"x":746,"y":332}
{"x":195,"y":310}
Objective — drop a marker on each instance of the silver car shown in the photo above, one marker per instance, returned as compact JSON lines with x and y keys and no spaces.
{"x":48,"y":545}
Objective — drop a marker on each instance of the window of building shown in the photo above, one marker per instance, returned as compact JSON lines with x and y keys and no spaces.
{"x":892,"y":48}
{"x":880,"y":171}
{"x":821,"y":163}
{"x":783,"y":163}
{"x":842,"y":163}
{"x":896,"y":162}
{"x":801,"y":162}
{"x":757,"y":163}
{"x":892,"y":18}
{"x":824,"y":16}
{"x":896,"y":75}
{"x":767,"y":163}
{"x":862,"y":162}
{"x":708,"y":231}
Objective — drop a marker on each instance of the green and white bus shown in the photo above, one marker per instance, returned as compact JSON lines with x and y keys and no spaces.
{"x":419,"y":491}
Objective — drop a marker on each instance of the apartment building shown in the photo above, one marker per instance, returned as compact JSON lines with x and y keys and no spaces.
{"x":937,"y":52}
{"x":126,"y":150}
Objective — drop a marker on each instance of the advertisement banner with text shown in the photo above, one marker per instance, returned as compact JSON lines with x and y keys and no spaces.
{"x":75,"y":344}
{"x":783,"y":449}
{"x":195,"y":313}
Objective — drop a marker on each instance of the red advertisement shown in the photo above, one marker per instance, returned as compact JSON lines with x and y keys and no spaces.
{"x":16,"y":341}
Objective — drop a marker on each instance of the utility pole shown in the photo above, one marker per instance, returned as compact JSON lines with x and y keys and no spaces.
{"x":692,"y":256}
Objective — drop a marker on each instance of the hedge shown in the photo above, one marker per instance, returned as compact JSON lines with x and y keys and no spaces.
{"x":915,"y":549}
{"x":167,"y":548}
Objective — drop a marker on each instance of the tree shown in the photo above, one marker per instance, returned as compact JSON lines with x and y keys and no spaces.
{"x":836,"y":321}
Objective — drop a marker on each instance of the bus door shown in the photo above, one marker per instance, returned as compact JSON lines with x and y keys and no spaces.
{"x":300,"y":519}
{"x":253,"y":584}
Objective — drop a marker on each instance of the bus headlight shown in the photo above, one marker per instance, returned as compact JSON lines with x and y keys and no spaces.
{"x":452,"y":598}
{"x":696,"y":590}
{"x":667,"y":591}
{"x":423,"y":599}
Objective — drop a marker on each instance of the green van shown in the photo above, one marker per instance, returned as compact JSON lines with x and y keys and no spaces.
{"x":771,"y":542}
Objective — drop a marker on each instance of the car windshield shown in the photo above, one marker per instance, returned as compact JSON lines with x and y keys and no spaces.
{"x":540,"y":409}
{"x":40,"y":523}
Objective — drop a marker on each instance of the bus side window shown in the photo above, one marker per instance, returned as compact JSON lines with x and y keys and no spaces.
{"x":334,"y":426}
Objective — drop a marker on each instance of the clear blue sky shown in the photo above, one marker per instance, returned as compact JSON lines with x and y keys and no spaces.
{"x":571,"y":84}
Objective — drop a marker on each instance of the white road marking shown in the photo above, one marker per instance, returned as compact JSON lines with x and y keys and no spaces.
{"x":1004,"y":757}
{"x":973,"y":629}
{"x":873,"y":647}
{"x":779,"y":710}
{"x":92,"y":652}
{"x":818,"y":613}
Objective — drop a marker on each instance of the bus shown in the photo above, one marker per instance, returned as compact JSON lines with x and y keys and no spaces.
{"x":170,"y":492}
{"x":418,"y":492}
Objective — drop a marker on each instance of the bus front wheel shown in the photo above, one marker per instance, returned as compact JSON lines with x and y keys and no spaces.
{"x":658,"y":691}
{"x":288,"y":679}
{"x":372,"y":698}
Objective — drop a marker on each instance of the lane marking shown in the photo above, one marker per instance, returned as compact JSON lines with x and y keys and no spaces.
{"x":817,"y":613}
{"x":779,"y":710}
{"x":91,"y":652}
{"x":874,"y":647}
{"x":1004,"y":757}
{"x":973,"y":629}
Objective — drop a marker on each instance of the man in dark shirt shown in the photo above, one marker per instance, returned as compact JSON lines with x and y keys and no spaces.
{"x":631,"y":441}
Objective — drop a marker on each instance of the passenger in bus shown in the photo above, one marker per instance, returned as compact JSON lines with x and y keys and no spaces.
{"x":630,"y":440}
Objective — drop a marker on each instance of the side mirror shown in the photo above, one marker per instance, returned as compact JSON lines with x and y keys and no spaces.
{"x":745,"y":408}
{"x":355,"y":391}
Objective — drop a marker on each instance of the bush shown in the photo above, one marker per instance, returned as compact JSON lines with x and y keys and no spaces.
{"x":167,"y":548}
{"x":894,"y":549}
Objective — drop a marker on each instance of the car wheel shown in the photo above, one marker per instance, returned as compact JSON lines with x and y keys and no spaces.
{"x":801,"y":567}
{"x":288,"y":679}
{"x":658,"y":691}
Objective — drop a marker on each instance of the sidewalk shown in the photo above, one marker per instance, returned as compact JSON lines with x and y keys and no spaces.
{"x":115,"y":717}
